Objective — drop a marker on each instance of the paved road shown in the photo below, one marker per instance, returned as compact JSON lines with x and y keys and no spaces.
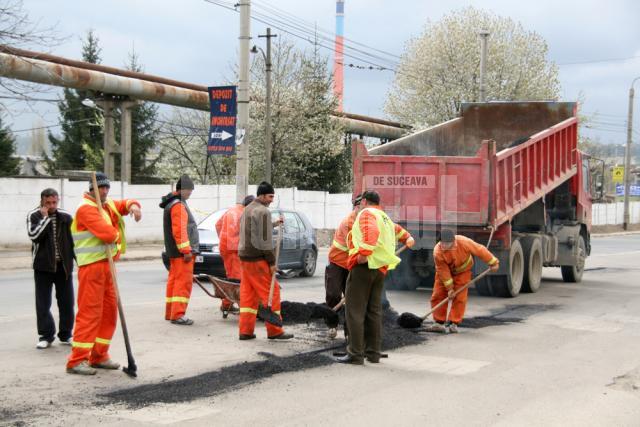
{"x":568,"y":355}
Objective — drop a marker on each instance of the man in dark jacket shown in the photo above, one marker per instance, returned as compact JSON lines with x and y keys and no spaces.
{"x":49,"y":229}
{"x":258,"y":260}
{"x":181,"y":241}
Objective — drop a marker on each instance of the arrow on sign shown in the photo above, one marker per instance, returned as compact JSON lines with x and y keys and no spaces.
{"x":221,"y":135}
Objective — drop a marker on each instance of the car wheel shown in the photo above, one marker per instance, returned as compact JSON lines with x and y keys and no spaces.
{"x":308,"y":263}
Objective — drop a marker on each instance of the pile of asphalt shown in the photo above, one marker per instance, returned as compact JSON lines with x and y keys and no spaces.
{"x":297,"y":312}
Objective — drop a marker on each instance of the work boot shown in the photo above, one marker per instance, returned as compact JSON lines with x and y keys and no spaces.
{"x":182,"y":321}
{"x":82,"y":368}
{"x":332,"y":333}
{"x":350,"y":360}
{"x":453,"y":328}
{"x":42,"y":344}
{"x":245,"y":337}
{"x":282,"y":336}
{"x":437,"y":327}
{"x":107,"y":364}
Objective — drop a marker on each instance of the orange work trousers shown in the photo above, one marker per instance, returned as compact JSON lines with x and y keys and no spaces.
{"x":233,"y":270}
{"x":459,"y":303}
{"x":254,"y":288}
{"x":97,"y":315}
{"x":179,"y":285}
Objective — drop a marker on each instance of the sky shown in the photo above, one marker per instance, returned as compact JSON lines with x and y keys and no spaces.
{"x":595,"y":43}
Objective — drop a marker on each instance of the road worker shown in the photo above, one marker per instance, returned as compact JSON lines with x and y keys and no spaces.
{"x":97,"y":301}
{"x":336,"y":272}
{"x":228,"y":229}
{"x":258,"y":265}
{"x":181,"y":242}
{"x":372,"y":246}
{"x":453,"y":257}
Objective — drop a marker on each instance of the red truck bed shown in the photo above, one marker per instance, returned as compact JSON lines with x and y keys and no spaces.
{"x":487,"y":188}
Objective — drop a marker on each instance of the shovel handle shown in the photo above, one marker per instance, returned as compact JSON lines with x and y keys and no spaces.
{"x":446,"y":300}
{"x":273,"y":276}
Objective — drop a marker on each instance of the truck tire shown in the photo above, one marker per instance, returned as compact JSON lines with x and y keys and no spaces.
{"x":532,"y":250}
{"x":509,"y":285}
{"x":573,"y":273}
{"x":402,"y":278}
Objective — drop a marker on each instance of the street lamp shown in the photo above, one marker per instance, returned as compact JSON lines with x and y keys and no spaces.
{"x":627,"y":159}
{"x":267,"y":126}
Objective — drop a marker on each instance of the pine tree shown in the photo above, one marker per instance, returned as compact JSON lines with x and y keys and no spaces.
{"x":9,"y":165}
{"x":144,"y":134}
{"x":80,"y":146}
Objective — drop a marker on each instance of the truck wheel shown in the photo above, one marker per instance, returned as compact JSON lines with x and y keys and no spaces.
{"x":532,"y":250}
{"x":573,"y":273}
{"x":509,"y":285}
{"x":403,"y":277}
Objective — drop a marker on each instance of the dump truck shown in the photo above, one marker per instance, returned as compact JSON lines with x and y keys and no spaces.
{"x":506,"y":174}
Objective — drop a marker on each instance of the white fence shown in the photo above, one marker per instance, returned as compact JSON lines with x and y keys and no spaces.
{"x":20,"y":195}
{"x":613,"y":213}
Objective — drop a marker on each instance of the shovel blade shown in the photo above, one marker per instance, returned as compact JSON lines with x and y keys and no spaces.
{"x":267,"y":315}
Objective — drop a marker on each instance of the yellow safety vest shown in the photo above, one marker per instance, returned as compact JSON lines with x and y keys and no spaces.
{"x":87,"y":246}
{"x":383,"y":252}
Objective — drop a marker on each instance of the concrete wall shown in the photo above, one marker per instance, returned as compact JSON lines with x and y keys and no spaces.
{"x":20,"y":195}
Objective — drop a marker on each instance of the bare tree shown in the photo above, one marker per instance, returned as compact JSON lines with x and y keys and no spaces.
{"x":18,"y":30}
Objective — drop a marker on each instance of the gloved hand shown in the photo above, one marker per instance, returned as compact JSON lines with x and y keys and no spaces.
{"x":495,"y":267}
{"x":410,"y":242}
{"x":450,"y":292}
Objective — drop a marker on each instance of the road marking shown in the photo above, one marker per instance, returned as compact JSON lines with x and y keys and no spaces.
{"x":435,"y":364}
{"x":166,"y":414}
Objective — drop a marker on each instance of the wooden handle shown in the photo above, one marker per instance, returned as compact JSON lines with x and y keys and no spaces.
{"x":444,"y":301}
{"x":273,"y":276}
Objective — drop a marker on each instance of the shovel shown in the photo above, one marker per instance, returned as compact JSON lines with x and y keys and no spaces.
{"x":411,"y":321}
{"x":266,"y":313}
{"x":131,"y":369}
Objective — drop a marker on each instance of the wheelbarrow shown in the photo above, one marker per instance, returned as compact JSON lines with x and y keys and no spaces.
{"x":221,"y":289}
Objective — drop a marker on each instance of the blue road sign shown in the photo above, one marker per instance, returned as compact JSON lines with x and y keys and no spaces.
{"x":634,"y":190}
{"x":222,"y":128}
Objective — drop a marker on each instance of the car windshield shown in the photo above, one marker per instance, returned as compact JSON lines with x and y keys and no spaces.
{"x":209,"y":223}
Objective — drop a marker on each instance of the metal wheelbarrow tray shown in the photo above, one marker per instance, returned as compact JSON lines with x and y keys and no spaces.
{"x":221,"y":289}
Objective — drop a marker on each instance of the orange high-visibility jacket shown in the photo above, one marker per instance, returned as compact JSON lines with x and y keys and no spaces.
{"x":339,"y":251}
{"x":459,"y":258}
{"x":88,"y":218}
{"x":369,"y":228}
{"x":179,"y":221}
{"x":228,"y":228}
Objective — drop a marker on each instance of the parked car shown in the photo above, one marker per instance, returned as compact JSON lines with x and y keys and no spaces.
{"x":298,"y":249}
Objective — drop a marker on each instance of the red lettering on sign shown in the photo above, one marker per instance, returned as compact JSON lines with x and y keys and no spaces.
{"x":222,"y":94}
{"x":223,"y":121}
{"x":223,"y":108}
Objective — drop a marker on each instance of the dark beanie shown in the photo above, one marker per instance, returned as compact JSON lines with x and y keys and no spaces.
{"x":184,"y":183}
{"x":447,"y":235}
{"x":101,"y":179}
{"x":265,"y":188}
{"x":247,"y":200}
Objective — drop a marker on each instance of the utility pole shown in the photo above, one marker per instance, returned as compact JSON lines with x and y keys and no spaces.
{"x":627,"y":159}
{"x":242,"y":150}
{"x":267,"y":140}
{"x":125,"y":140}
{"x":109,"y":137}
{"x":484,"y":35}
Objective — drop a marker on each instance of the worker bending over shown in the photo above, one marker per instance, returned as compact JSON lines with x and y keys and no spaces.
{"x":228,"y":229}
{"x":453,"y":257}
